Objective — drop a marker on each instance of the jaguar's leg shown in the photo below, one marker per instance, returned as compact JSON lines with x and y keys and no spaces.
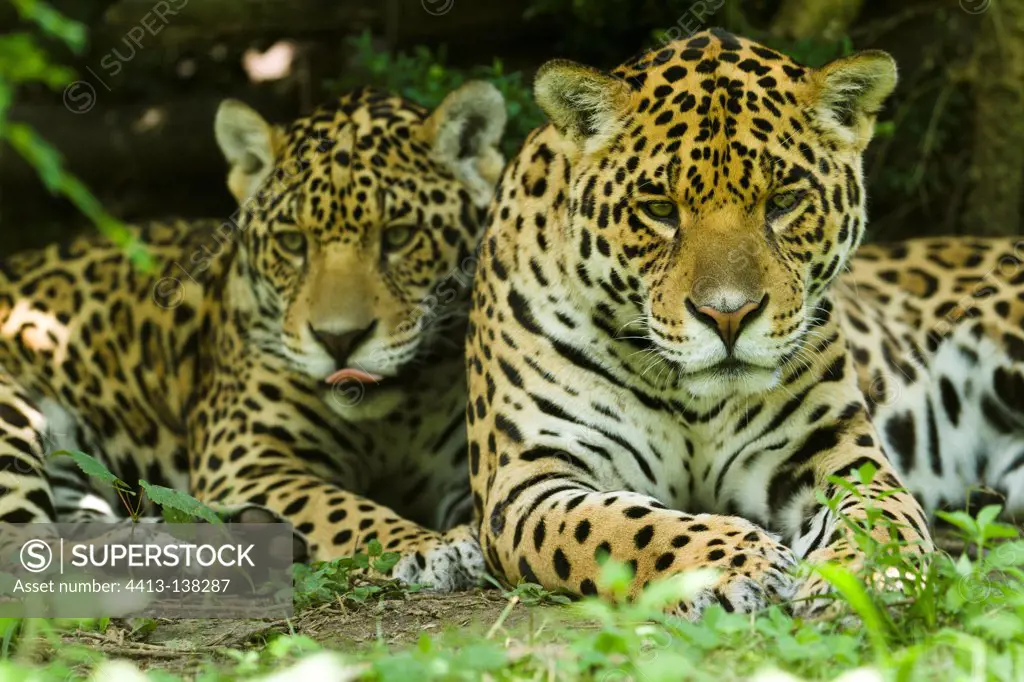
{"x":825,"y":536}
{"x":546,"y":525}
{"x":308,"y":475}
{"x":335,"y":523}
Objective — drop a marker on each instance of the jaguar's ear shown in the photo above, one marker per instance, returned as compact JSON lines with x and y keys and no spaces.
{"x":464,"y":132}
{"x":249,"y":144}
{"x":849,"y":92}
{"x":584,"y":104}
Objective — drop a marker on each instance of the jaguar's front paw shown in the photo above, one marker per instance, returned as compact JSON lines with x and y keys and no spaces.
{"x":756,"y":569}
{"x":817,"y":598}
{"x":446,"y":563}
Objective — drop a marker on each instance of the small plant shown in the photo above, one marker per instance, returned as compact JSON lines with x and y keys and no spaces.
{"x":347,"y":578}
{"x":901,"y":599}
{"x":176,"y":506}
{"x":530,"y":594}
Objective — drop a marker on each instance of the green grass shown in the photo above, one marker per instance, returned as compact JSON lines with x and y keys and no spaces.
{"x":962,"y":617}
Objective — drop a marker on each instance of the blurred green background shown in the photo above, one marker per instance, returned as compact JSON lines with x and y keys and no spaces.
{"x":106,"y":106}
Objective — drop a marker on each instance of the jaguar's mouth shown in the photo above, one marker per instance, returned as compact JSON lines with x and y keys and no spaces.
{"x":734,"y":368}
{"x":360,"y":395}
{"x":365,"y":381}
{"x":353,"y":375}
{"x":727,"y":368}
{"x":729,"y":375}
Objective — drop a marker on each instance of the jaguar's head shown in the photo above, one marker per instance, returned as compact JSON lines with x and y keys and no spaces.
{"x":715,"y":191}
{"x":358,"y":224}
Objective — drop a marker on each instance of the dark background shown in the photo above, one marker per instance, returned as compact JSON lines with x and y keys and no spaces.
{"x":136,"y":123}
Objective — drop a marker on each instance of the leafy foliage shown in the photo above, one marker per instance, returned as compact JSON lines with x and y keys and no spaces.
{"x":424,"y":78}
{"x":943,"y":617}
{"x":532,"y":594}
{"x":347,"y":578}
{"x":177,"y":506}
{"x":94,"y":468}
{"x":24,"y":61}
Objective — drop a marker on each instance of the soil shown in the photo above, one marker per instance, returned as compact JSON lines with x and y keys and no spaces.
{"x":178,"y":646}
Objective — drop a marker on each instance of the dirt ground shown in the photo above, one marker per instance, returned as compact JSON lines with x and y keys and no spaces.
{"x":179,"y":645}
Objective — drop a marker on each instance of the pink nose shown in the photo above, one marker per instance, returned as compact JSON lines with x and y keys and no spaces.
{"x":728,"y":323}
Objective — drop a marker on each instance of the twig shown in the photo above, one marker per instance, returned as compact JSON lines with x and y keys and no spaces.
{"x":133,"y":652}
{"x":502,"y":616}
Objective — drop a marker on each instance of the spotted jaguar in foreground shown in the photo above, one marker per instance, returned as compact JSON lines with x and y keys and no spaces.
{"x":658,"y":358}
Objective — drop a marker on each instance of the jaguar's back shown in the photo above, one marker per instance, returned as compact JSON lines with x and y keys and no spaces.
{"x":100,"y":354}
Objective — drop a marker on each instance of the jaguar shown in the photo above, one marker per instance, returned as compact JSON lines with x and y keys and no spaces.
{"x":675,"y":359}
{"x":301,"y":361}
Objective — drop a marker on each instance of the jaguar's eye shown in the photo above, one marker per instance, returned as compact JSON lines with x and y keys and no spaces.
{"x":783,"y":203}
{"x":397,"y":237}
{"x":292,"y":241}
{"x":665,"y":211}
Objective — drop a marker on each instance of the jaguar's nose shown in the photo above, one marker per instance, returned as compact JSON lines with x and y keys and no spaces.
{"x":341,"y":345}
{"x":727,"y":322}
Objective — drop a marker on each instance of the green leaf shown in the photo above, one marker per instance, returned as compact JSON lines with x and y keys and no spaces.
{"x":961,"y":520}
{"x":50,"y":166}
{"x":94,"y":468}
{"x":171,"y":515}
{"x":998,"y":626}
{"x":38,"y":152}
{"x":616,"y":577}
{"x":286,"y":645}
{"x":866,"y":473}
{"x":23,"y":60}
{"x":169,"y":498}
{"x":143,"y":626}
{"x":386,"y":561}
{"x":53,"y":23}
{"x":856,"y":595}
{"x":669,"y":592}
{"x":479,"y":657}
{"x":9,"y":627}
{"x":988,"y":514}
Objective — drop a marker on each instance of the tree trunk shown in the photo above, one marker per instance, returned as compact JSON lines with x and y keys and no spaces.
{"x":996,"y":171}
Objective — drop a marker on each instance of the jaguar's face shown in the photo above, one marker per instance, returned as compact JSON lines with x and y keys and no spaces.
{"x":359,"y":225}
{"x":715,"y":192}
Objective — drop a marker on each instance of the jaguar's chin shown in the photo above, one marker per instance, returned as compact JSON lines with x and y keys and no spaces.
{"x":358,"y":402}
{"x":727,"y":378}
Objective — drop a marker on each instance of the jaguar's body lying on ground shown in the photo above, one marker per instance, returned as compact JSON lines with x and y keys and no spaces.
{"x":349,"y":262}
{"x":936,"y":330}
{"x":658,"y":366}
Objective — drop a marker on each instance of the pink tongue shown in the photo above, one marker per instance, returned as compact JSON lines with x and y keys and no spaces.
{"x":358,"y":375}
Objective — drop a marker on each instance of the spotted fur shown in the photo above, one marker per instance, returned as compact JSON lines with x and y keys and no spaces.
{"x":208,"y":373}
{"x":936,"y":329}
{"x":658,"y":370}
